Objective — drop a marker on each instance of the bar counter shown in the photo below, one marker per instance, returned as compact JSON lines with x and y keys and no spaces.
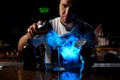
{"x":15,"y":71}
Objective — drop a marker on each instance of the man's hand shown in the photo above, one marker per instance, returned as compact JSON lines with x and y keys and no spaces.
{"x":32,"y":30}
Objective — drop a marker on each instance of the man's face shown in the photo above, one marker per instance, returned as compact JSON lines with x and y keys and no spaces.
{"x":67,"y":11}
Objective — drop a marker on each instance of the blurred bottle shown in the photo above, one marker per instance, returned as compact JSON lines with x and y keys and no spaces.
{"x":44,"y":28}
{"x":29,"y":57}
{"x":34,"y":56}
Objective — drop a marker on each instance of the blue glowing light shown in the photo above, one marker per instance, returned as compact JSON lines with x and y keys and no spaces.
{"x":70,"y":76}
{"x":66,"y":47}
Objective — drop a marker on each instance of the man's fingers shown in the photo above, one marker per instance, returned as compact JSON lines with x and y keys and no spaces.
{"x":39,"y":22}
{"x":33,"y":27}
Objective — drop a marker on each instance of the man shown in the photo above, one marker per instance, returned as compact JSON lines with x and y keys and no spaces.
{"x":67,"y":23}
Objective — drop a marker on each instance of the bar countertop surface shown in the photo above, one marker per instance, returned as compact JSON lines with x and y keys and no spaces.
{"x":15,"y":71}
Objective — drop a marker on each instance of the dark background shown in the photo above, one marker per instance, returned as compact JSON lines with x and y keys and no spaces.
{"x":17,"y":15}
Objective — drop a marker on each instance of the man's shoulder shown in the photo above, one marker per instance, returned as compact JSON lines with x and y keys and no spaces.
{"x":84,"y":24}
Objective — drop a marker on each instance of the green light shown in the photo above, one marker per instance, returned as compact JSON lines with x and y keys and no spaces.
{"x":44,"y":10}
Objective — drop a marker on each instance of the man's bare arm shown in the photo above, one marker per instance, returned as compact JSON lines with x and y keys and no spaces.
{"x":23,"y":41}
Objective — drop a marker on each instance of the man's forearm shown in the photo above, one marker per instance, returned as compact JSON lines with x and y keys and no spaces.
{"x":23,"y":41}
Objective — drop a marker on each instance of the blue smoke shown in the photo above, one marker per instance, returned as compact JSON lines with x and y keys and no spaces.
{"x":65,"y":46}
